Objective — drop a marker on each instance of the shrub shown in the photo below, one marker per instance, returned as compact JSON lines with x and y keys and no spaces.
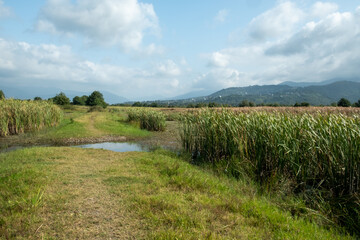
{"x":148,"y":119}
{"x":37,"y":98}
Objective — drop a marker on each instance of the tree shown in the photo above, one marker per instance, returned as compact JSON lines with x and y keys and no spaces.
{"x":2,"y":95}
{"x":137,"y":104}
{"x":244,"y":103}
{"x":343,"y":102}
{"x":357,"y":104}
{"x":37,"y":98}
{"x":80,"y":100}
{"x":154,"y":105}
{"x":96,"y":99}
{"x":61,"y":99}
{"x":212,"y":104}
{"x":303,"y":104}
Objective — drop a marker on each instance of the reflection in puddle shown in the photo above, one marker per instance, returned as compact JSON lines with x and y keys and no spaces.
{"x":117,"y":147}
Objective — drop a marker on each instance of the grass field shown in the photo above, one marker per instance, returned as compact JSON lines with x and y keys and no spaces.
{"x":70,"y":193}
{"x":73,"y":193}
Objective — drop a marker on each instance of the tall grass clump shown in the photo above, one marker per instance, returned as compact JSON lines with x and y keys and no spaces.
{"x":148,"y":119}
{"x":318,"y":154}
{"x":17,"y":116}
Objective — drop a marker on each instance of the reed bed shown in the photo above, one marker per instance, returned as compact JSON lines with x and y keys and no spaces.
{"x":149,"y":119}
{"x":17,"y":116}
{"x":318,"y":154}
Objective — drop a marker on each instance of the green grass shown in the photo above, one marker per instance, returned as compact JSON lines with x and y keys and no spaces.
{"x":22,"y":180}
{"x":68,"y":128}
{"x":115,"y":124}
{"x":71,"y":193}
{"x":181,"y":201}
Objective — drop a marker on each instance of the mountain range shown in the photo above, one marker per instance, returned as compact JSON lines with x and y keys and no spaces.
{"x":286,"y":93}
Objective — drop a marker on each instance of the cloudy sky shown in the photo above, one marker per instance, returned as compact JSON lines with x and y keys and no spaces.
{"x":159,"y":48}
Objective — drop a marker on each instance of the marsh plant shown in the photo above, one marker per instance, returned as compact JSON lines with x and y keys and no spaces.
{"x":17,"y":116}
{"x":148,"y":119}
{"x":318,"y":154}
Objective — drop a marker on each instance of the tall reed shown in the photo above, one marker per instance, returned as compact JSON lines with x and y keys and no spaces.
{"x":17,"y":116}
{"x":318,"y":153}
{"x":149,"y":119}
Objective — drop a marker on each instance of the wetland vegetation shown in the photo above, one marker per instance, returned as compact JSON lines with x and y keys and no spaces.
{"x":239,"y":175}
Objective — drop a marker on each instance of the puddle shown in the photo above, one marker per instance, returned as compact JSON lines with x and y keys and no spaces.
{"x":112,"y":146}
{"x":117,"y":146}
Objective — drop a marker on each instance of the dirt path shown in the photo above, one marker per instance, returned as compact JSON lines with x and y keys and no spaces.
{"x":81,"y":206}
{"x":89,"y":121}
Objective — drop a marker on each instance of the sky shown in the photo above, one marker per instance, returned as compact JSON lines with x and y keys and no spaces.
{"x":156,"y":49}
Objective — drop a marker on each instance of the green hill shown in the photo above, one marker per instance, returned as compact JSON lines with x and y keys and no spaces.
{"x":281,"y":94}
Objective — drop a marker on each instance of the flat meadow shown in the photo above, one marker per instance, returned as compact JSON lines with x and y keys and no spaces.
{"x":231,"y":173}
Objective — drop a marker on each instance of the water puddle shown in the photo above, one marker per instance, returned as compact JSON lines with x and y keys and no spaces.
{"x":117,"y":146}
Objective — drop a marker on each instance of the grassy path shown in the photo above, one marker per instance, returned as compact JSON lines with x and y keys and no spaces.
{"x":81,"y":127}
{"x":71,"y":193}
{"x":90,"y":210}
{"x":89,"y":120}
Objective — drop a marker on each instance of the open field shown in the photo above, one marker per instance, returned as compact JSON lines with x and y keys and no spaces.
{"x":70,"y":193}
{"x":73,"y":193}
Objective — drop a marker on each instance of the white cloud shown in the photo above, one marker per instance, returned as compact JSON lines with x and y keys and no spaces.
{"x":318,"y":47}
{"x":275,"y":22}
{"x":107,"y":22}
{"x":4,"y":11}
{"x":218,"y":59}
{"x":219,"y":78}
{"x":221,"y":16}
{"x":24,"y":64}
{"x":322,"y":9}
{"x":168,"y":68}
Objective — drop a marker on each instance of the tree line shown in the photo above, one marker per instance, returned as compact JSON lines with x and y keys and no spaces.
{"x":96,"y":98}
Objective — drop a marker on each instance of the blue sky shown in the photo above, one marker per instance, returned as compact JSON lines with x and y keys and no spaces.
{"x":158,"y":49}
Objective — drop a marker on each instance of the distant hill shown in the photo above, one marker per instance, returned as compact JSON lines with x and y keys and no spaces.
{"x":323,"y":93}
{"x":289,"y":95}
{"x":193,"y":94}
{"x":326,"y":82}
{"x":45,"y":93}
